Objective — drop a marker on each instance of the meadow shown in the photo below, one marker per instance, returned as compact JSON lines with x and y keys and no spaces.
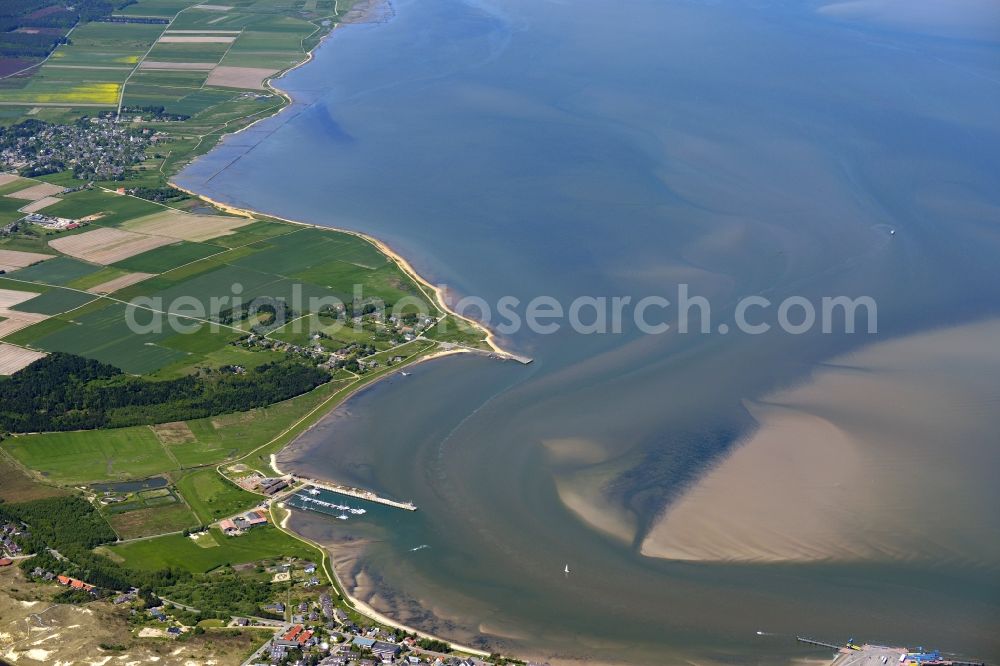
{"x":91,"y":456}
{"x":212,"y":497}
{"x":152,"y":520}
{"x":185,"y":553}
{"x":86,"y":456}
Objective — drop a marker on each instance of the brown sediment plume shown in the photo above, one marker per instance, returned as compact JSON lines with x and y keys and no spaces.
{"x":869,"y":461}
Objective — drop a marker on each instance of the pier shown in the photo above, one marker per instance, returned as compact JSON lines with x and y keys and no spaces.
{"x":507,"y":356}
{"x":810,"y":641}
{"x":359,"y":493}
{"x":868,"y":654}
{"x":490,"y":353}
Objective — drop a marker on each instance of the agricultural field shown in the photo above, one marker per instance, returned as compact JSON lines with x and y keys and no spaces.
{"x":14,"y":358}
{"x":108,"y":208}
{"x":58,"y":271}
{"x":203,"y":555}
{"x":167,"y":257}
{"x":186,"y":226}
{"x":107,"y":245}
{"x":54,"y":301}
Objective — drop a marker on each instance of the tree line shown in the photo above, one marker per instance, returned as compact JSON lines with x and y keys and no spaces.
{"x":68,"y":392}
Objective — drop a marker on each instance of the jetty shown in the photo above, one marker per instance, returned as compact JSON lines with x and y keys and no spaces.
{"x":868,"y":654}
{"x":508,"y":356}
{"x":489,"y":353}
{"x":358,"y":493}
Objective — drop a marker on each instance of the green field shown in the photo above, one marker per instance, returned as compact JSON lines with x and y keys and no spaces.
{"x":88,"y":456}
{"x":167,"y":257}
{"x":54,"y":301}
{"x":104,"y":334}
{"x":91,"y":455}
{"x":58,"y":271}
{"x":98,"y":277}
{"x":182,"y":552}
{"x":114,"y":208}
{"x":227,"y":436}
{"x":453,"y":329}
{"x":213,"y":497}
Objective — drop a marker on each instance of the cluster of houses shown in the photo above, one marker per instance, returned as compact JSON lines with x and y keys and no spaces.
{"x":321,"y":633}
{"x":242,"y":523}
{"x":76,"y":584}
{"x":301,"y":644}
{"x":8,"y":546}
{"x":126,"y":597}
{"x":353,"y":356}
{"x":297,"y":637}
{"x":100,"y":149}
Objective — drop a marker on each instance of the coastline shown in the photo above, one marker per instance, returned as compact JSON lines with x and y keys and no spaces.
{"x":404,"y":265}
{"x":438,"y":299}
{"x":360,"y":606}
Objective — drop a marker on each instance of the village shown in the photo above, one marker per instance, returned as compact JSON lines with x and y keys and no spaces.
{"x":96,"y":148}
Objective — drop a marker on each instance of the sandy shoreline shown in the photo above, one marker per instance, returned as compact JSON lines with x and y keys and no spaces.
{"x":381,"y":246}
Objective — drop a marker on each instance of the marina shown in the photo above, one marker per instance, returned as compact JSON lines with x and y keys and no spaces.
{"x":313,"y":488}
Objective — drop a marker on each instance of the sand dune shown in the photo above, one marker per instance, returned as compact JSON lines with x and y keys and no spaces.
{"x":871,"y":460}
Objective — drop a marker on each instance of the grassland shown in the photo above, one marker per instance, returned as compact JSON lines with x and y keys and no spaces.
{"x":17,"y":486}
{"x":85,"y":456}
{"x":212,"y":497}
{"x":151,"y":521}
{"x":89,"y":456}
{"x":185,"y":553}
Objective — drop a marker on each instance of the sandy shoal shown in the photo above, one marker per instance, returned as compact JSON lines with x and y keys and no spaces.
{"x":872,"y":460}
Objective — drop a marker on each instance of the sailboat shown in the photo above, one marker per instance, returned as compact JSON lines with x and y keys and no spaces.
{"x":566,"y":570}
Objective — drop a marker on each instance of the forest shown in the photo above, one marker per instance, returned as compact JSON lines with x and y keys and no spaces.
{"x":68,"y":392}
{"x":48,"y":20}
